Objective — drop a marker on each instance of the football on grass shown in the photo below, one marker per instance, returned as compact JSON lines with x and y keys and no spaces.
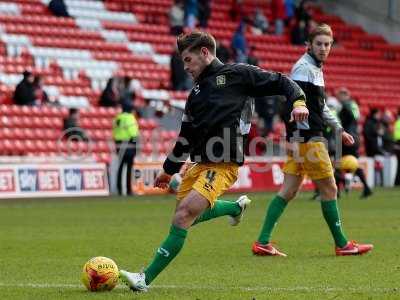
{"x":100,"y":274}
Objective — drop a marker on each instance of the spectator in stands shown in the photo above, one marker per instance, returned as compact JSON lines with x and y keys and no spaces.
{"x":236,"y":10}
{"x":204,"y":12}
{"x":349,"y":117}
{"x":290,"y":8}
{"x":180,"y":80}
{"x":58,"y":8}
{"x":126,"y":91}
{"x":110,"y":96}
{"x":350,"y":112}
{"x":260,"y":21}
{"x":266,"y":107}
{"x":177,"y":17}
{"x":72,"y":130}
{"x":24,"y":93}
{"x":373,"y":132}
{"x":299,"y":33}
{"x":303,"y":11}
{"x":311,"y":25}
{"x":251,"y":57}
{"x":125,"y":133}
{"x":223,"y":53}
{"x":41,"y":96}
{"x":396,"y":137}
{"x":278,"y":15}
{"x":387,"y":120}
{"x":382,"y":147}
{"x":239,"y":44}
{"x":191,"y":13}
{"x":252,"y":147}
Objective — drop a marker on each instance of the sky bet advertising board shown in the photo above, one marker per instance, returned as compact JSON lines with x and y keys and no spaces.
{"x":53,"y":180}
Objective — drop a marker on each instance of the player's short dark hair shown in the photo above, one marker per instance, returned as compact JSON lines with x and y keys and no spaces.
{"x":321,"y":29}
{"x":195,"y":40}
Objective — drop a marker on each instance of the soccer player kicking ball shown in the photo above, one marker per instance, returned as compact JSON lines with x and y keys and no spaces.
{"x":216,"y":119}
{"x":310,"y":156}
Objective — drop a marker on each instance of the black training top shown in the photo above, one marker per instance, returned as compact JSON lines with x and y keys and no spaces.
{"x":218,"y":112}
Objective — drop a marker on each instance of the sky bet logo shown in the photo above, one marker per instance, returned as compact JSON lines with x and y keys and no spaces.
{"x":7,"y":181}
{"x":93,"y":179}
{"x":31,"y":180}
{"x":27,"y":180}
{"x":84,"y":179}
{"x":73,"y":179}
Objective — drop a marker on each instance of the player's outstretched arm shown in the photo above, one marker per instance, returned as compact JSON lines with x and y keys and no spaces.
{"x":261,"y":83}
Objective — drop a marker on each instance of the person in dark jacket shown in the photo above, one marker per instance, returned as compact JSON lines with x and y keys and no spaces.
{"x":239,"y":43}
{"x":72,"y":129}
{"x":396,"y":138}
{"x":110,"y":95}
{"x":372,"y":134}
{"x":58,"y":8}
{"x":126,"y":91}
{"x":349,"y":116}
{"x":180,"y":80}
{"x":204,"y":12}
{"x":299,"y":33}
{"x":223,"y":53}
{"x":24,"y":93}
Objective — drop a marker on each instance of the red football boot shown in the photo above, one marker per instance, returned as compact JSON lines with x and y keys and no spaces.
{"x":352,"y":248}
{"x":266,"y":250}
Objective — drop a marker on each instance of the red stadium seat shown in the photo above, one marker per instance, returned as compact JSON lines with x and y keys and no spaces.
{"x":145,"y":136}
{"x":40,"y":146}
{"x":146,"y":148}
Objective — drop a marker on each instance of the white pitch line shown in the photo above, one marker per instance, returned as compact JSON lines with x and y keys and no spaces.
{"x":219,"y":288}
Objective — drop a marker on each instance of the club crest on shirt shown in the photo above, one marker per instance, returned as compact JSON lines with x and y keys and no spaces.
{"x":221,"y":80}
{"x":196,"y":89}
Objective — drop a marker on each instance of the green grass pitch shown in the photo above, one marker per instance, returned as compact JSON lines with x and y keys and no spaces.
{"x":45,"y":242}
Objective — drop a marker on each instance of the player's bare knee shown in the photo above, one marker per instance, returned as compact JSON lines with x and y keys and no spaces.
{"x":288,"y":194}
{"x":182,"y":216}
{"x":333,"y":192}
{"x":329,"y":192}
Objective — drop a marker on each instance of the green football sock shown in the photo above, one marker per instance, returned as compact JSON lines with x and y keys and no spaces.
{"x":274,"y":211}
{"x":332,"y":218}
{"x":220,"y":208}
{"x":166,"y":253}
